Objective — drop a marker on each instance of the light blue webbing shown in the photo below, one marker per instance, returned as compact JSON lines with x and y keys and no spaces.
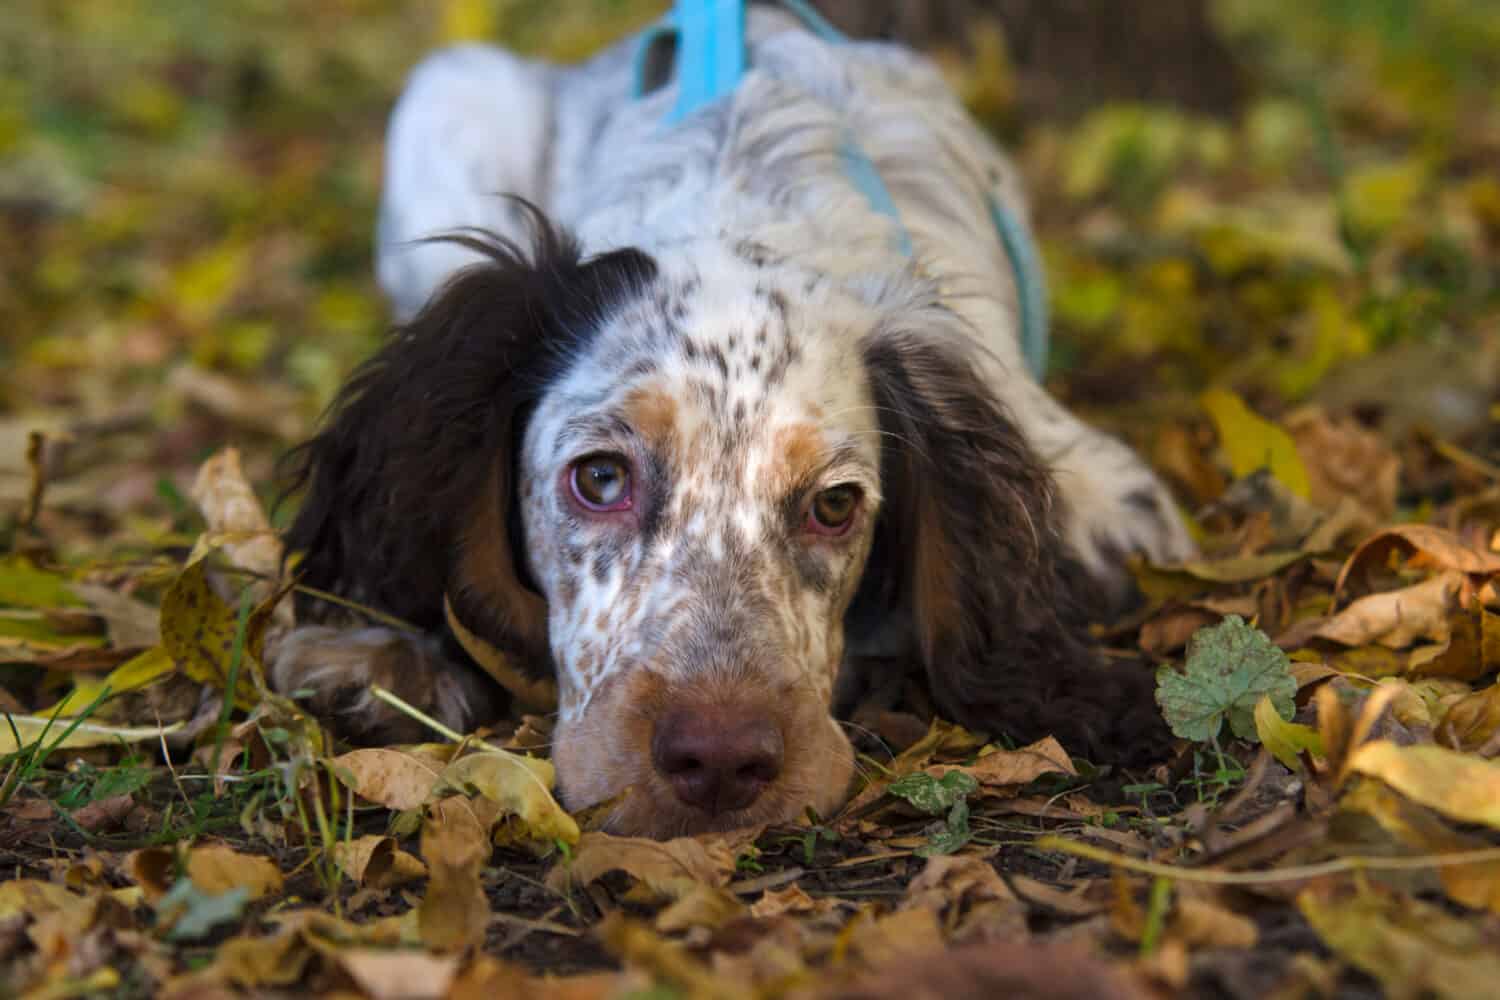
{"x":711,"y":59}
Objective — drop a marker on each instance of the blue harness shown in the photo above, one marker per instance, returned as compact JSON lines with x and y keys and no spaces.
{"x":711,"y":59}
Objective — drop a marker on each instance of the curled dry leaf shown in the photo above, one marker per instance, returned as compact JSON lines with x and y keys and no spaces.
{"x":1398,"y":618}
{"x":1472,"y":723}
{"x":377,"y":863}
{"x":239,"y":525}
{"x":522,"y":787}
{"x":1009,"y":768}
{"x":1441,"y":548}
{"x":668,"y":869}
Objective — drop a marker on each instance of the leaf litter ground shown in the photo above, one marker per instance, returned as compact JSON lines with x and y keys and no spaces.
{"x":1292,"y":310}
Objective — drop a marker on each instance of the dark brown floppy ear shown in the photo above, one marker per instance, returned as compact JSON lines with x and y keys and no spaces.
{"x":969,"y":547}
{"x":411,"y":483}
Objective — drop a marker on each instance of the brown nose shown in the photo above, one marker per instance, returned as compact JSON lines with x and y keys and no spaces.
{"x":715,"y":758}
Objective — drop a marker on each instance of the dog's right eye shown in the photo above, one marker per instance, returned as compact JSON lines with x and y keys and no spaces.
{"x":602,"y":482}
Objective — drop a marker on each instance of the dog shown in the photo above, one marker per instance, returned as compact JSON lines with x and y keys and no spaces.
{"x":682,"y":415}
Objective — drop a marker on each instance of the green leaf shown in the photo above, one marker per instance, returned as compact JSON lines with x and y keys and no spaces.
{"x":1230,"y":667}
{"x":950,"y":835}
{"x":934,"y":796}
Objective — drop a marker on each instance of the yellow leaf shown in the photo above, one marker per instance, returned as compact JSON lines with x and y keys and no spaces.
{"x":131,"y":675}
{"x":1412,"y":947}
{"x":1253,"y":443}
{"x":198,"y":630}
{"x":1377,"y":197}
{"x":1285,"y":739}
{"x":522,"y":786}
{"x":217,"y":868}
{"x":23,"y":585}
{"x":1458,"y":785}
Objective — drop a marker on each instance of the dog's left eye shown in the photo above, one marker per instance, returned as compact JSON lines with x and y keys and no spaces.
{"x":833,"y":509}
{"x":602,"y":482}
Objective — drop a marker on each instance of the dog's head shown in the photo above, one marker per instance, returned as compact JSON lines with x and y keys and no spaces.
{"x":672,"y":481}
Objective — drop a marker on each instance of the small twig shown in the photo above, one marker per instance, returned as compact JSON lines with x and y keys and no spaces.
{"x":1212,"y":876}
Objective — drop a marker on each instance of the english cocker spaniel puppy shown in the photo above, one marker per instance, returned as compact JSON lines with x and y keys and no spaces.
{"x":741,"y":422}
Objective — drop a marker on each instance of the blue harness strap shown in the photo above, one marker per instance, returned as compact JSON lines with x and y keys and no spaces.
{"x":712,"y":56}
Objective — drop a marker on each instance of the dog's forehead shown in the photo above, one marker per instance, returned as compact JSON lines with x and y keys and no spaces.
{"x":722,"y":359}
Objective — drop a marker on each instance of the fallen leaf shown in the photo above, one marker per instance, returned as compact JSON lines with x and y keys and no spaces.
{"x":1344,"y":460}
{"x":454,"y":912}
{"x":377,"y":862}
{"x":198,"y":630}
{"x":1398,"y":618}
{"x":955,"y":881}
{"x":1252,"y":442}
{"x":398,"y":975}
{"x":1001,"y":768}
{"x":1458,"y":785}
{"x":1229,"y":668}
{"x":1412,"y":947}
{"x":1472,"y":722}
{"x":522,"y":786}
{"x":132,"y":623}
{"x":700,"y":906}
{"x":217,"y":868}
{"x":669,"y":869}
{"x":1441,"y":548}
{"x":393,"y":778}
{"x":1286,"y":740}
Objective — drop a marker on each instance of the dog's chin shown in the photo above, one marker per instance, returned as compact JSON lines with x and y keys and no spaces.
{"x":633,"y":801}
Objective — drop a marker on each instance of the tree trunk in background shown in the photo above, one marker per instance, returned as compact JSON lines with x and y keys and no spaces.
{"x":1071,"y":55}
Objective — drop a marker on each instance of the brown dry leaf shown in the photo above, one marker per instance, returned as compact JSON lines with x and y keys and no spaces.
{"x":955,"y":880}
{"x":1198,"y":923}
{"x":1441,"y":549}
{"x":905,"y":933}
{"x":488,"y":978}
{"x":399,"y":975}
{"x":638,"y":946}
{"x":239,"y":526}
{"x":395,"y":779}
{"x":1170,"y":628}
{"x":454,"y":913}
{"x":257,"y":962}
{"x":1412,"y":947}
{"x":132,"y":623}
{"x":104,"y":814}
{"x":1458,"y":785}
{"x":1008,"y":769}
{"x":701,"y":906}
{"x":668,"y":869}
{"x":217,"y":868}
{"x":376,"y":862}
{"x":1344,"y":460}
{"x":1472,"y":723}
{"x":1398,"y":618}
{"x":153,"y":869}
{"x":791,"y":899}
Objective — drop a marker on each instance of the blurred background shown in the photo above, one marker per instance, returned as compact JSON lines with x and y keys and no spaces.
{"x":1295,"y":199}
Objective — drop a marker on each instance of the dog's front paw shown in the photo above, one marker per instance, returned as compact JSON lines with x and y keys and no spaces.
{"x":1117,"y":508}
{"x":331,"y":671}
